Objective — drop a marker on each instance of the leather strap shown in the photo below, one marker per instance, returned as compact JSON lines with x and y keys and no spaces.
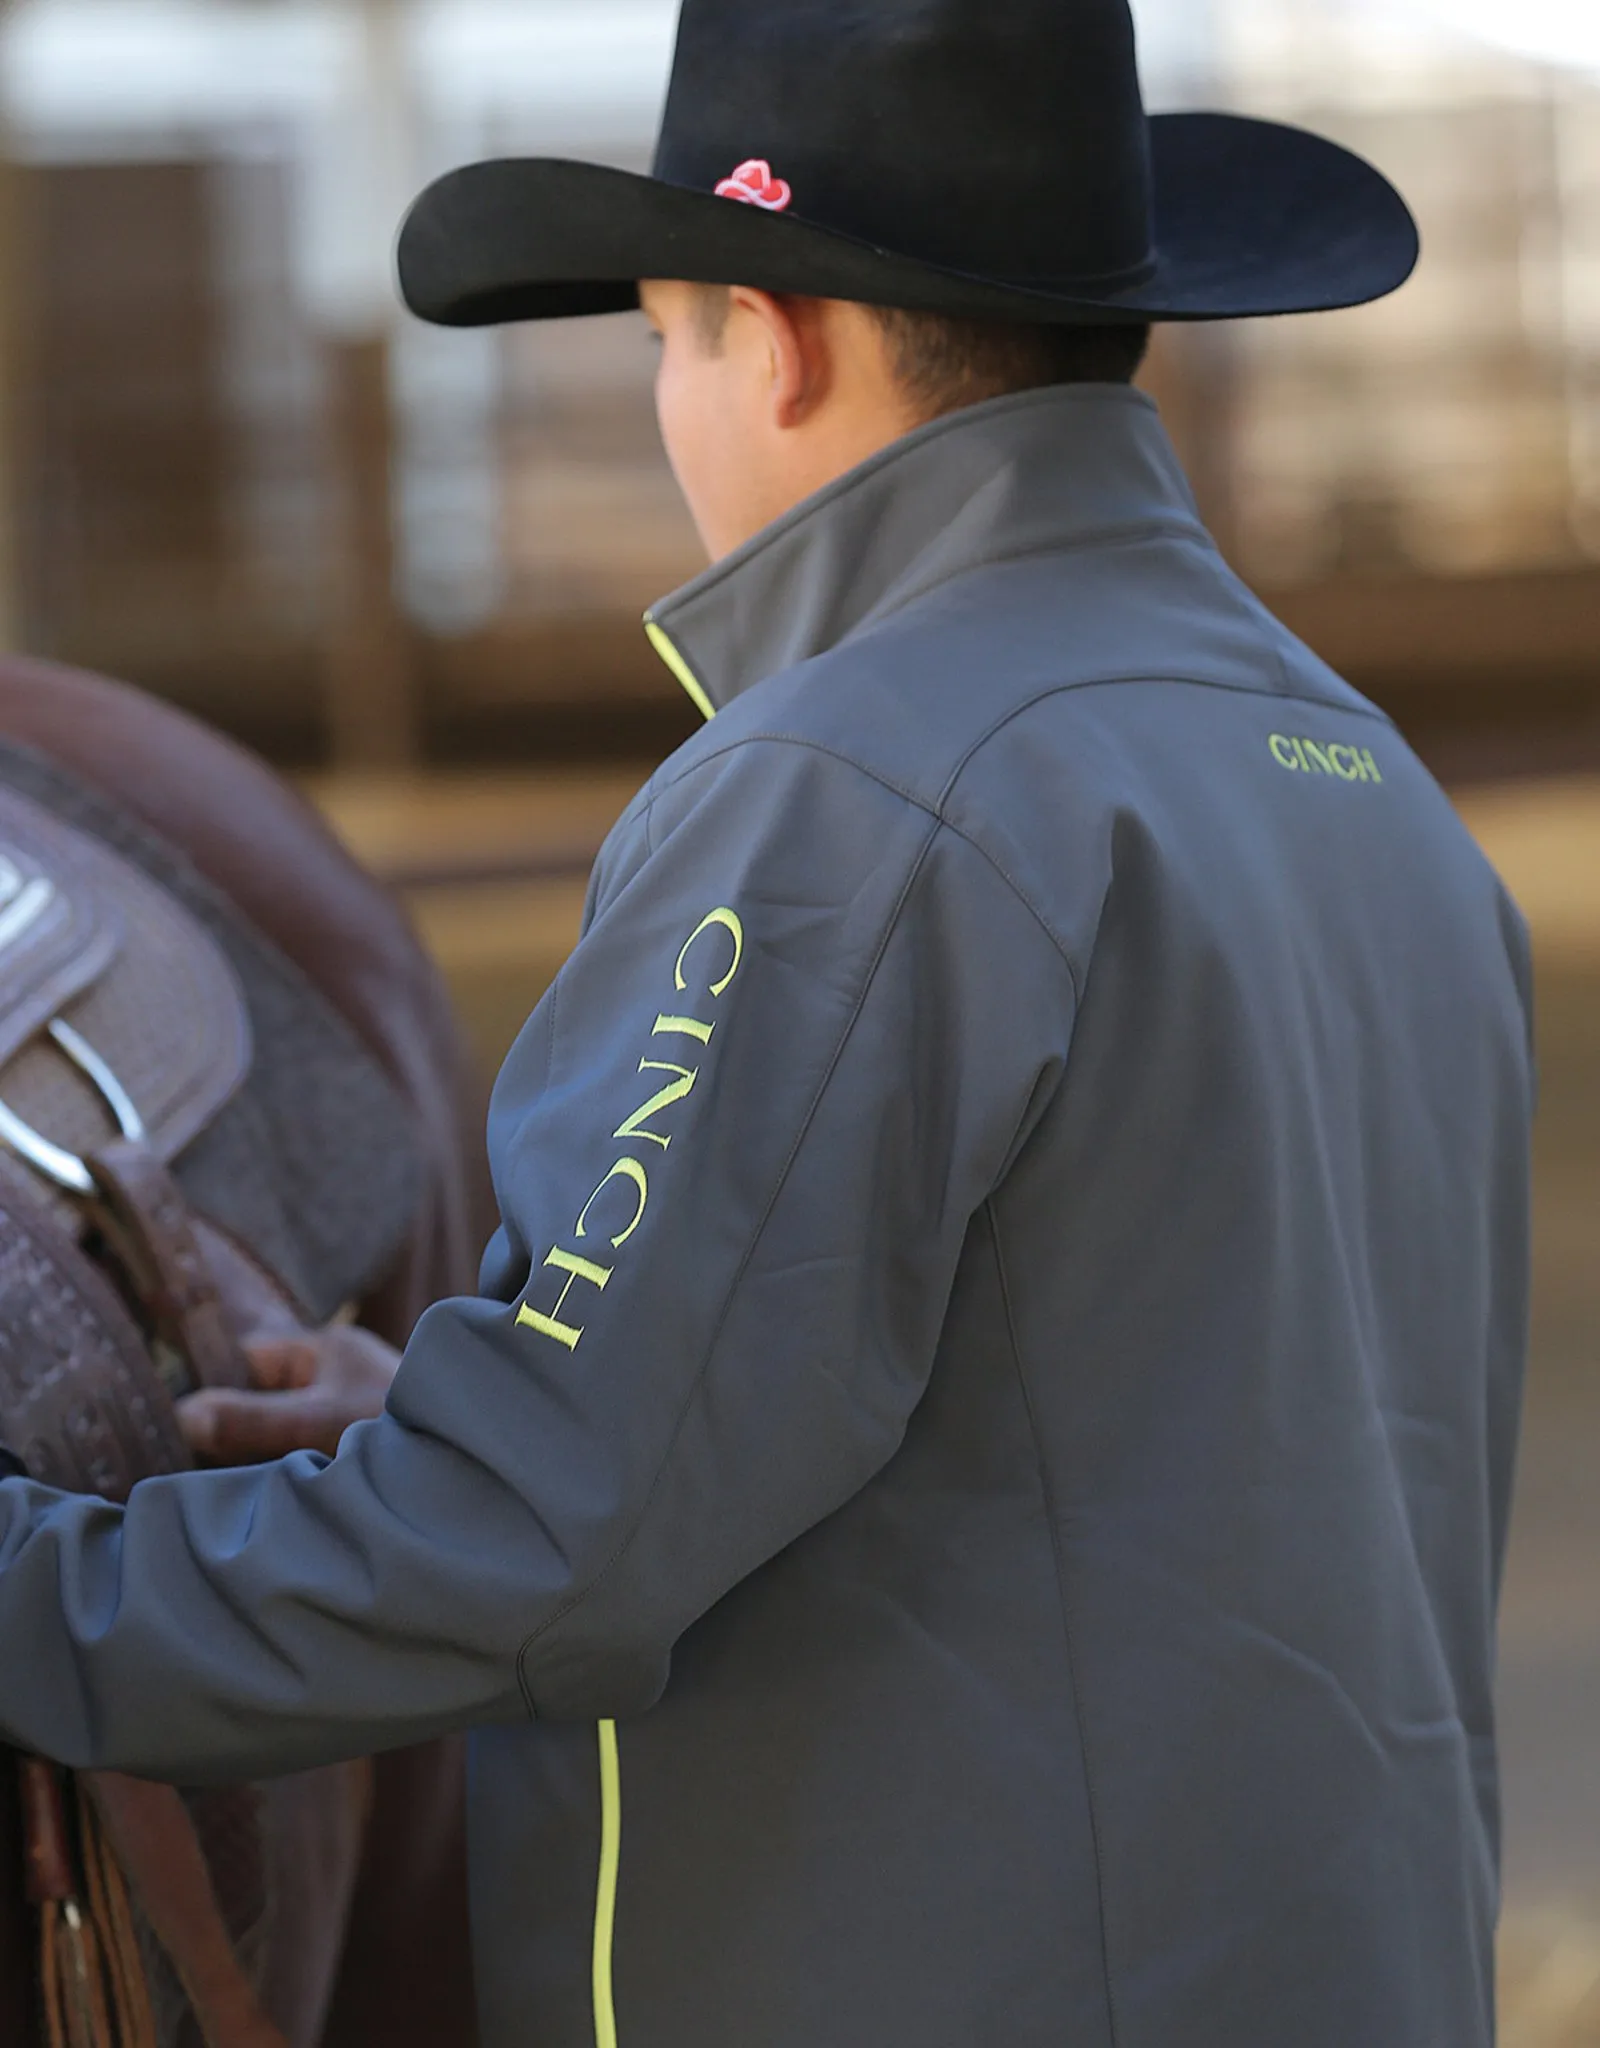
{"x":154,"y":1837}
{"x":80,"y":1402}
{"x":72,"y":1976}
{"x":79,"y":1395}
{"x":47,"y":1845}
{"x":150,"y":1228}
{"x":111,"y":1911}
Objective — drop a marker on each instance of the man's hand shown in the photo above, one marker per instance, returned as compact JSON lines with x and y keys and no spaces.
{"x":309,"y":1390}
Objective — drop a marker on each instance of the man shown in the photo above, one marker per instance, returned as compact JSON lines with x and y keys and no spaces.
{"x":997,"y":1384}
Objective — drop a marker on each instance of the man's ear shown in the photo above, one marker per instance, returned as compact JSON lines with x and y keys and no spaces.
{"x":799,"y":362}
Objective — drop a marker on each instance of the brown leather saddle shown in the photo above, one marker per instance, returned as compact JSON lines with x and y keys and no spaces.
{"x":163,"y":1074}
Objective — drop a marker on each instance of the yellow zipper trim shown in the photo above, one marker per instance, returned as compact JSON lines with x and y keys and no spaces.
{"x":605,"y":1905}
{"x":685,"y":675}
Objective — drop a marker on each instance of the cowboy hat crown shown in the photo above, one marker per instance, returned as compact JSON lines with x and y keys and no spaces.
{"x":978,"y":157}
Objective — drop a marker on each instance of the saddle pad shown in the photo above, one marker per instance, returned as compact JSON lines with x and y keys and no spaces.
{"x":89,"y":940}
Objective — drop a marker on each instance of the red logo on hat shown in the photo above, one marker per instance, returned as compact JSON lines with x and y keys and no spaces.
{"x":753,"y":184}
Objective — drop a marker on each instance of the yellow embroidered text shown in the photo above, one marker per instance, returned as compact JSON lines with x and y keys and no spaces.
{"x":705,"y":970}
{"x":1318,"y":757}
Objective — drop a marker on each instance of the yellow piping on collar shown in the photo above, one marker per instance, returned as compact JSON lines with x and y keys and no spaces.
{"x":690,"y":682}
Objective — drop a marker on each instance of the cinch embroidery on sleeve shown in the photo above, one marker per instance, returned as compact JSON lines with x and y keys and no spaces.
{"x":705,"y":971}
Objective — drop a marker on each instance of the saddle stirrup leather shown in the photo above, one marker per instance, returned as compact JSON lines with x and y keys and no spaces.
{"x":92,"y":1978}
{"x":142,"y":1211}
{"x":121,"y":1841}
{"x":65,"y":1168}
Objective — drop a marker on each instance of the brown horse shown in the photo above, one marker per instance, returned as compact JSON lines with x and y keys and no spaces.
{"x":371,"y":1942}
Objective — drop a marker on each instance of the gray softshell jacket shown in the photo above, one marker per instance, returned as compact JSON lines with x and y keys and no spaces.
{"x":969,"y":1508}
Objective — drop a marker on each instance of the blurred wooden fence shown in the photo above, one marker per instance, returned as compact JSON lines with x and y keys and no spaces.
{"x":262,"y":524}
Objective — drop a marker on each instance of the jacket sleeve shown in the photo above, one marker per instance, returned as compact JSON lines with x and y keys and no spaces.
{"x":736,"y":1150}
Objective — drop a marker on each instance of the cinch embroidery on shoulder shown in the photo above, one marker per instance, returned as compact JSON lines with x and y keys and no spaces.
{"x":615,"y":1210}
{"x":1317,"y":757}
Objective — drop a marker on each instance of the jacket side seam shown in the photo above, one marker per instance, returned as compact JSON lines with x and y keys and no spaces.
{"x":627,"y":1541}
{"x":1047,"y":1493}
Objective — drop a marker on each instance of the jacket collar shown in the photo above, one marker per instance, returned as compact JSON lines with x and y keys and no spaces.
{"x":1032,"y":474}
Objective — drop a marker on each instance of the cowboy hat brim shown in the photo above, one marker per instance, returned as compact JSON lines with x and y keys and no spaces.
{"x":1251,"y":218}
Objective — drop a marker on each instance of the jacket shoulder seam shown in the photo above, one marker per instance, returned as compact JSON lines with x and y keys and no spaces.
{"x":1105,"y":682}
{"x":935,"y":807}
{"x":794,"y":739}
{"x":930,"y":810}
{"x":993,"y":861}
{"x":620,"y":858}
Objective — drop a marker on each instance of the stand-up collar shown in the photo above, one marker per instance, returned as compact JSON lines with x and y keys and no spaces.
{"x":1031,"y":474}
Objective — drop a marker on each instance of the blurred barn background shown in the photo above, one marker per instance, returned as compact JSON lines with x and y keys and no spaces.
{"x":233,"y":472}
{"x":412,"y":565}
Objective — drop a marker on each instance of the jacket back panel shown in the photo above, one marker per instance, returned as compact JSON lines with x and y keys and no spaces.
{"x":1154,"y":1671}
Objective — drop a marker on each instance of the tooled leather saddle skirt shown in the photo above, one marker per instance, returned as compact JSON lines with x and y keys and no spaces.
{"x":193,"y":1148}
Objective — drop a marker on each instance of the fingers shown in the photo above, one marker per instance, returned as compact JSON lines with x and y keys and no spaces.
{"x":281,"y":1364}
{"x":223,"y":1427}
{"x":308,"y":1391}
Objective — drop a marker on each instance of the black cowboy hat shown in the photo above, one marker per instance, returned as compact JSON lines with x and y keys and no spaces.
{"x":975,"y":157}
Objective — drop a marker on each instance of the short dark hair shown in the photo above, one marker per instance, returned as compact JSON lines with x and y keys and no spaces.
{"x":943,"y":363}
